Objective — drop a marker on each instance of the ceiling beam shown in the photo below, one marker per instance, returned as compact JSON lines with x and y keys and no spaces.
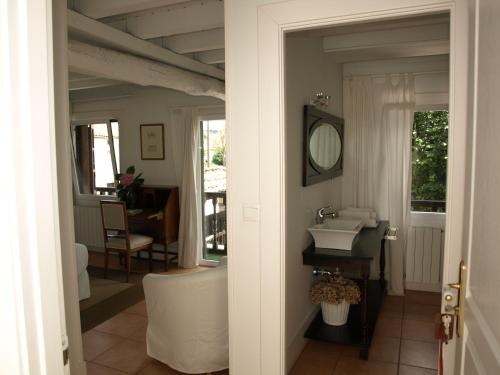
{"x":415,"y":49}
{"x":172,"y":20}
{"x":87,"y":29}
{"x":211,"y":57}
{"x":99,"y":8}
{"x":387,"y":38}
{"x":90,"y":83}
{"x":102,"y":62}
{"x":196,"y":42}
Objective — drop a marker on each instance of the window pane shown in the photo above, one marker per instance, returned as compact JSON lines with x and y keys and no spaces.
{"x":213,"y":143}
{"x":103,"y":167}
{"x":429,"y":160}
{"x":116,"y":141}
{"x":93,"y":157}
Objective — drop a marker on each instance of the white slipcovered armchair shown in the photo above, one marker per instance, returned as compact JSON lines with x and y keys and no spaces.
{"x":82,"y":261}
{"x":188,"y":320}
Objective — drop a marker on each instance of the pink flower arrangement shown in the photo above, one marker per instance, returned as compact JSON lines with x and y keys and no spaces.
{"x":127,"y":186}
{"x":126,"y":179}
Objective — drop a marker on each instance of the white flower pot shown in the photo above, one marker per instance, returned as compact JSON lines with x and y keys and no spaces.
{"x":335,"y":315}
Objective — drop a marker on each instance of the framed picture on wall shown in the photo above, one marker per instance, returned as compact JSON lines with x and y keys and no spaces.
{"x":152,"y":142}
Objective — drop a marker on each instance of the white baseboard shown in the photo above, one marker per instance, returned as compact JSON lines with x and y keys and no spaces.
{"x":424,"y":287}
{"x":298,"y":341}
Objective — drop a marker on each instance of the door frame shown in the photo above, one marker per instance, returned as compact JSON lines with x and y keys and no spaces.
{"x":274,"y":20}
{"x":31,"y":290}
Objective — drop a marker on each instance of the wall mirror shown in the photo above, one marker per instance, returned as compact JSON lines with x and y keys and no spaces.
{"x":323,"y":145}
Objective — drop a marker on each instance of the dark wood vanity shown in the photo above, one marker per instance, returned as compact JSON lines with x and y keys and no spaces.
{"x":362,"y":317}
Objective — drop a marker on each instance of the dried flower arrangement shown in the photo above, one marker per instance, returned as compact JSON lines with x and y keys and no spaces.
{"x":334,"y":290}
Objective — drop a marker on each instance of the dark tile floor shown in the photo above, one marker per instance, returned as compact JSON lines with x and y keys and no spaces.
{"x":403,"y":343}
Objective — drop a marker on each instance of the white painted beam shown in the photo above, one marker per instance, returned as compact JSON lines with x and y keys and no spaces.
{"x":386,"y":38}
{"x":396,"y":51}
{"x":90,"y":83}
{"x":105,"y":8}
{"x":211,"y":57}
{"x":176,"y":19}
{"x":196,"y":42}
{"x":87,"y":29}
{"x":84,"y":58}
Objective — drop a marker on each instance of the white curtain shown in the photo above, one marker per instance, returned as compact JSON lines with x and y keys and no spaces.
{"x":377,"y":159}
{"x":190,"y":226}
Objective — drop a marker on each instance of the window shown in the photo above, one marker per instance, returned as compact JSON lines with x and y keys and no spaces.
{"x":97,"y":158}
{"x":429,"y":161}
{"x":213,"y":183}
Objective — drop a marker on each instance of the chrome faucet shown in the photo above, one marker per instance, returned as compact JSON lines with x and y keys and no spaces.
{"x":323,"y":212}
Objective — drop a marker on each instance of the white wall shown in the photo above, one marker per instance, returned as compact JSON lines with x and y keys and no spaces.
{"x":133,"y":106}
{"x":308,"y":70}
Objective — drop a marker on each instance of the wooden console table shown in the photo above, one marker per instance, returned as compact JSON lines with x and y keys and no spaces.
{"x":362,"y":317}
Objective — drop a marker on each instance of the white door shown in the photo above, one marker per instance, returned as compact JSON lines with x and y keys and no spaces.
{"x":478,"y":348}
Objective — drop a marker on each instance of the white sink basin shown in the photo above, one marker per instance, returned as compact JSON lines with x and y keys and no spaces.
{"x":336,"y":233}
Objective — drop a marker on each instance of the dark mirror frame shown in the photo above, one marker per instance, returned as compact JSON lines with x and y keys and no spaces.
{"x":312,"y":172}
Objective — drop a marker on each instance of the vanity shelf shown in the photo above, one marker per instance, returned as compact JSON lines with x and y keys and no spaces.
{"x":362,"y":317}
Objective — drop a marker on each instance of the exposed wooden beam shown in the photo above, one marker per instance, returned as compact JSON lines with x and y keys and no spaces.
{"x":87,"y":29}
{"x":172,"y":20}
{"x":415,"y":49}
{"x":386,"y":38}
{"x":106,"y":63}
{"x":100,"y":8}
{"x":90,"y":83}
{"x":211,"y":57}
{"x":196,"y":42}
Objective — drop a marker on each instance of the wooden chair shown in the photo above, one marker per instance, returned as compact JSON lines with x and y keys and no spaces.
{"x":117,"y":237}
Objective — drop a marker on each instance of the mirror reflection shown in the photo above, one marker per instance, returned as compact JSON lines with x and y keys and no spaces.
{"x":325,"y":145}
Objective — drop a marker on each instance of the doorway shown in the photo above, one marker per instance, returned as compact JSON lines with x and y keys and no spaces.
{"x":269,"y":91}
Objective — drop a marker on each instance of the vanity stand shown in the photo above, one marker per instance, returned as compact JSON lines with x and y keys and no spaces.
{"x":362,"y":317}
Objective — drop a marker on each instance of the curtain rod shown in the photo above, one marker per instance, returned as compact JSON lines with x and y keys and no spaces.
{"x":382,"y":75}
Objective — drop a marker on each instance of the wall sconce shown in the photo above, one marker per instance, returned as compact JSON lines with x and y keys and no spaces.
{"x":321,"y":99}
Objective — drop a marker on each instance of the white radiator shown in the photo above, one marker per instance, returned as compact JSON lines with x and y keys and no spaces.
{"x":424,"y":254}
{"x":88,"y":226}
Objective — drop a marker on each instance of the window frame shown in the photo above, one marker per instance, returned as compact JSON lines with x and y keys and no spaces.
{"x":207,"y":117}
{"x":427,"y":108}
{"x":84,"y":122}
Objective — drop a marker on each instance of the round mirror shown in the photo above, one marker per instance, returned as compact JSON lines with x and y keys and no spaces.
{"x":325,"y":145}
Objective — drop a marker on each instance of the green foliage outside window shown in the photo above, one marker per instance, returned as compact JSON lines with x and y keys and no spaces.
{"x":429,"y":157}
{"x":219,"y":155}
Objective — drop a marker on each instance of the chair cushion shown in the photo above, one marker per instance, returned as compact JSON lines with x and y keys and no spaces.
{"x":136,"y":240}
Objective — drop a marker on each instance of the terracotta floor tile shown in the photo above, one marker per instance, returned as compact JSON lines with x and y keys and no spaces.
{"x":354,"y":366}
{"x":426,"y":313}
{"x":322,"y":347}
{"x":316,"y":367}
{"x":392,"y":307}
{"x":424,"y":298}
{"x":138,"y":308}
{"x":95,"y":343}
{"x":158,"y":368}
{"x":410,"y":370}
{"x":318,"y":357}
{"x":388,"y":327}
{"x":123,"y":324}
{"x":350,"y":351}
{"x":385,"y":349}
{"x":95,"y":369}
{"x":139,"y":334}
{"x":128,"y":356}
{"x":419,"y":354}
{"x":419,"y":330}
